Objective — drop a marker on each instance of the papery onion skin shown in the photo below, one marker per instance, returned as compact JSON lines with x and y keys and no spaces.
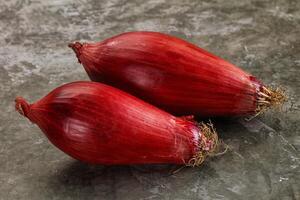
{"x":99,"y":124}
{"x":174,"y":75}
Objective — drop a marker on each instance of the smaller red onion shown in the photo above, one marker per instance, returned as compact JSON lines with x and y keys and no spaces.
{"x":96,"y":123}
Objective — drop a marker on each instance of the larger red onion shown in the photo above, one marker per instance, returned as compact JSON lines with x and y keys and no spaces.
{"x":175,"y":75}
{"x":99,"y":124}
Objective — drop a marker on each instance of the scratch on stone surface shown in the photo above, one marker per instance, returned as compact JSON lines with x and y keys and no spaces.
{"x":255,"y":125}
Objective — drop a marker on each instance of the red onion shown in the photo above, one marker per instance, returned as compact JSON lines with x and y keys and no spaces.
{"x":96,"y":123}
{"x":175,"y":75}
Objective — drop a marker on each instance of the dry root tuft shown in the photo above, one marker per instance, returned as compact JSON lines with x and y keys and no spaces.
{"x":270,"y":97}
{"x":209,"y":145}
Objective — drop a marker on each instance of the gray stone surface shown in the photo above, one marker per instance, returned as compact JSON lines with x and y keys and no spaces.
{"x":262,"y":36}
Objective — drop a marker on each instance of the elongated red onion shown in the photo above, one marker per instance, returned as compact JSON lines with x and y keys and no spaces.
{"x":100,"y":124}
{"x":175,"y":75}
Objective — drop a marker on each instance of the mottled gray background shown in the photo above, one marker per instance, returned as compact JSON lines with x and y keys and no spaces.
{"x":261,"y":36}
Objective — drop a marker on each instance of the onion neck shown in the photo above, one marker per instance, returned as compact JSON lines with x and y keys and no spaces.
{"x":76,"y":46}
{"x":22,"y":106}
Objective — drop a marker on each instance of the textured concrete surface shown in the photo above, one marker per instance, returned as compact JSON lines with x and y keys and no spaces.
{"x":261,"y":36}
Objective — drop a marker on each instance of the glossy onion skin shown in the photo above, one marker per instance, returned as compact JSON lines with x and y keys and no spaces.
{"x":96,"y":123}
{"x":170,"y":73}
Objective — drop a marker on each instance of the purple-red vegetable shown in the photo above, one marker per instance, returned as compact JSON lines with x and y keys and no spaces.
{"x":175,"y":75}
{"x":97,"y":123}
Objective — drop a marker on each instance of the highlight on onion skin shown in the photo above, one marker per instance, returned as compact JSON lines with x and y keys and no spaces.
{"x":99,"y":124}
{"x":175,"y":75}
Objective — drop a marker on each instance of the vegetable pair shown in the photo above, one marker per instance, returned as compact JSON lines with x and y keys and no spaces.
{"x":97,"y":123}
